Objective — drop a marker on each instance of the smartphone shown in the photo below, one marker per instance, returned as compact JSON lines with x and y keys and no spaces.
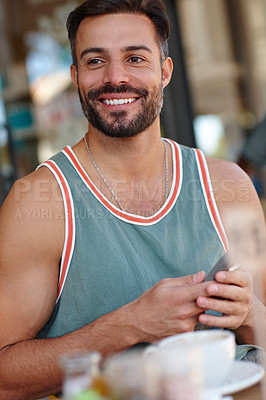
{"x":222,"y":265}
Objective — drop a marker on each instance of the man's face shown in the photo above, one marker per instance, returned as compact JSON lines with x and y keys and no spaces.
{"x":120,"y":78}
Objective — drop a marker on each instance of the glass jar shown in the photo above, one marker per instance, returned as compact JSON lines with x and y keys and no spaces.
{"x":130,"y":376}
{"x":80,"y":372}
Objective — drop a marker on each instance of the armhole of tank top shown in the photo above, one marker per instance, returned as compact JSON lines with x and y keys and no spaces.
{"x":209,"y":197}
{"x":69,"y":240}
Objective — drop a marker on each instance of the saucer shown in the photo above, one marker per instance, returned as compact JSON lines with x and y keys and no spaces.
{"x":242,"y":375}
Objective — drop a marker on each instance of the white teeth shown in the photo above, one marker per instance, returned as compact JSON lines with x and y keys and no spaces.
{"x":116,"y":102}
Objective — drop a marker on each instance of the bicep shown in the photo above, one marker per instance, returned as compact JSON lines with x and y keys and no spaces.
{"x":28,"y":271}
{"x":26,"y":302}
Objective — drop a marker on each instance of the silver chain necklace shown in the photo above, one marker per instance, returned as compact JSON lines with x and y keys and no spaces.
{"x":109,"y":187}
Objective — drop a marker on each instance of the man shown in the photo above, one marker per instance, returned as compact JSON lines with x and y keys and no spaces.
{"x":87,"y":239}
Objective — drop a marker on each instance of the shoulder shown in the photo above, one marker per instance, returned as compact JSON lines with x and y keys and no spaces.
{"x":222,"y":168}
{"x":36,"y":191}
{"x":31,"y":213}
{"x":40,"y":186}
{"x":231,"y":185}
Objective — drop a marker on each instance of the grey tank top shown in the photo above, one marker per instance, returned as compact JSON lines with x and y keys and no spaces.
{"x":111,"y":257}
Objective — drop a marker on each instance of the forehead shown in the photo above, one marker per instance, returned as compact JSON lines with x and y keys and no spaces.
{"x":116,"y":30}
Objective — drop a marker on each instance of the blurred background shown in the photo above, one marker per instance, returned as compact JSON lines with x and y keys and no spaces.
{"x":216,"y":101}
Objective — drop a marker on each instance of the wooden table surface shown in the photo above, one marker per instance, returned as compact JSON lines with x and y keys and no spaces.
{"x":253,"y":393}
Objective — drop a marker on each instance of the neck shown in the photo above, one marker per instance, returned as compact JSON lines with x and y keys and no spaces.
{"x":128,"y":158}
{"x":134,"y":170}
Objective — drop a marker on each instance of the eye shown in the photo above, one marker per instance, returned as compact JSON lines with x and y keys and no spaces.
{"x":94,"y":61}
{"x":135,"y":59}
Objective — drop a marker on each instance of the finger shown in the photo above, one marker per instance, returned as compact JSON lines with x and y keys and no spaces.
{"x":225,"y":321}
{"x":231,"y":292}
{"x":187,"y":280}
{"x":238,"y":277}
{"x":190,"y":310}
{"x":188,"y":295}
{"x":223,"y":306}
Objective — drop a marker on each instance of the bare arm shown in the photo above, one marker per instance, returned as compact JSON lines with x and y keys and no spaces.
{"x":233,"y":293}
{"x":29,"y":258}
{"x":31,"y":241}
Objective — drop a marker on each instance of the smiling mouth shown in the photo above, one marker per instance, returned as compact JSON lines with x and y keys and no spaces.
{"x":117,"y":102}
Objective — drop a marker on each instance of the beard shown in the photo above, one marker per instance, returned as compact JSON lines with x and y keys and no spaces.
{"x":121,"y":125}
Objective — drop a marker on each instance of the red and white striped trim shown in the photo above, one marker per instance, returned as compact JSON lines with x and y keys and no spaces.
{"x":209,"y":198}
{"x":70,"y":231}
{"x":127,"y":217}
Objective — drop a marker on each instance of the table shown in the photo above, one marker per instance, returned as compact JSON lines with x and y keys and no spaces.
{"x":252,"y":393}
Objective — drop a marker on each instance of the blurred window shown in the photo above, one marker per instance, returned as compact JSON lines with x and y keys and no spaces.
{"x":209,"y":135}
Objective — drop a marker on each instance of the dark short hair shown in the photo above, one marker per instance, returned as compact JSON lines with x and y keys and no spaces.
{"x":153,"y":9}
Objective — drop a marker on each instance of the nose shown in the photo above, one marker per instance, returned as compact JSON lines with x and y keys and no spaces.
{"x":116,"y":73}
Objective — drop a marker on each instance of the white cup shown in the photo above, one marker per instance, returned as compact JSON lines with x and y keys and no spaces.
{"x":209,"y":353}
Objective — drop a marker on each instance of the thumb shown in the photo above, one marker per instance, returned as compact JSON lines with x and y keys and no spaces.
{"x":193,"y":279}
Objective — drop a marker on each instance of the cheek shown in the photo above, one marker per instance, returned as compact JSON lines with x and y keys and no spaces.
{"x":147,"y":77}
{"x":89,"y":79}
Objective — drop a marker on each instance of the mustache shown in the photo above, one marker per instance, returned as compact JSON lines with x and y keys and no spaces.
{"x":94,"y":94}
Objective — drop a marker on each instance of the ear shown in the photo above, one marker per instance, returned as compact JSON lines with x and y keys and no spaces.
{"x":74,"y":75}
{"x":167,"y":71}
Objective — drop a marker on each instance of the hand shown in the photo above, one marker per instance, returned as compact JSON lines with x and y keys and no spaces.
{"x":169,"y":307}
{"x":231,"y":294}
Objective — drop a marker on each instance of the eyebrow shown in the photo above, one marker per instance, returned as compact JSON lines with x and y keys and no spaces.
{"x":92,"y":50}
{"x":123,"y":50}
{"x":135,"y":48}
